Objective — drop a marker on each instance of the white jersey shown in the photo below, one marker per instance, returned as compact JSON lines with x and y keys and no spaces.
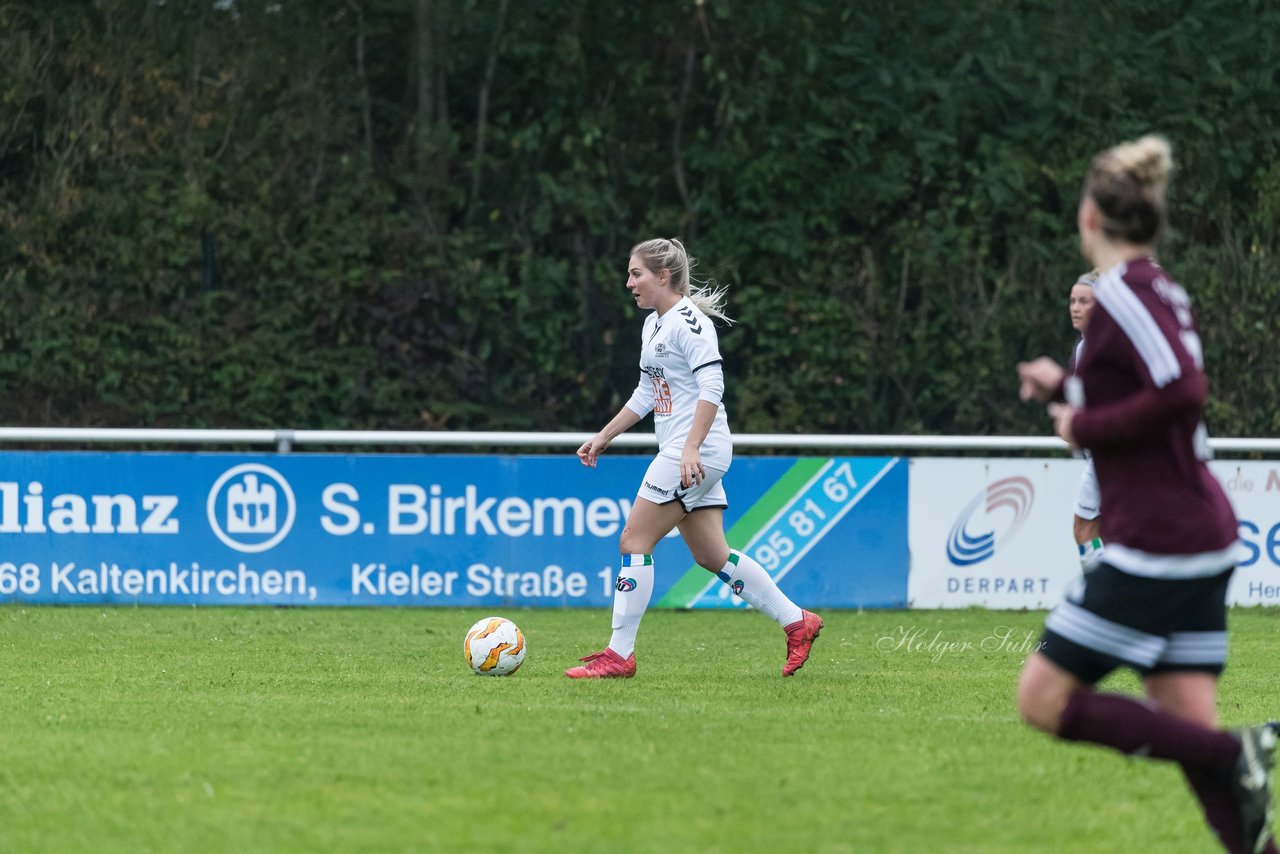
{"x":674,"y":348}
{"x":1073,"y":393}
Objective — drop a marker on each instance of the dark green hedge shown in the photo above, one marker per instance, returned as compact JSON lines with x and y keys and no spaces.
{"x":373,"y":214}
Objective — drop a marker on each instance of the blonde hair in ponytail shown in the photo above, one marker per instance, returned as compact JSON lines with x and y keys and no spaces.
{"x":669,"y":254}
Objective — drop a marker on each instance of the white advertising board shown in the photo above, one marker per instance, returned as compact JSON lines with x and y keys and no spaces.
{"x":1254,"y":490}
{"x":996,"y":533}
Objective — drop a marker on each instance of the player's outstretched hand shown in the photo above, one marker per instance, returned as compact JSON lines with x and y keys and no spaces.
{"x":591,"y":450}
{"x":1039,"y":378}
{"x":1062,"y":416}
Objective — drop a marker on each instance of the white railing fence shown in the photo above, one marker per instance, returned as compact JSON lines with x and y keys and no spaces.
{"x":285,"y":441}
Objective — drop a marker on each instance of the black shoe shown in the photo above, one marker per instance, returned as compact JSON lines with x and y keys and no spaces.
{"x":1251,"y":782}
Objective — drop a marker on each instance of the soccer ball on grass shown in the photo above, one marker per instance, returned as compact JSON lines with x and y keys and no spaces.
{"x":494,"y":647}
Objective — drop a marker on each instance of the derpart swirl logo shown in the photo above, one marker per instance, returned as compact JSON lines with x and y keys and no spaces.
{"x":965,"y":547}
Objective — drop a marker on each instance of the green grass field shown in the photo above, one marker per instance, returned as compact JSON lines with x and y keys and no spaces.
{"x":158,"y":729}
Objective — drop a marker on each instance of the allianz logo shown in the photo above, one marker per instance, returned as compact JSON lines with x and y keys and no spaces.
{"x":27,"y":511}
{"x":250,"y":508}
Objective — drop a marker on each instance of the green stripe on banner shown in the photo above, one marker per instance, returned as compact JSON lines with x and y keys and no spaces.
{"x":685,"y":592}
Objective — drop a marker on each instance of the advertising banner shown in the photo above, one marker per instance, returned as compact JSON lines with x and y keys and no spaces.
{"x":992,"y":532}
{"x":1254,"y":489}
{"x":996,"y":533}
{"x":318,"y":529}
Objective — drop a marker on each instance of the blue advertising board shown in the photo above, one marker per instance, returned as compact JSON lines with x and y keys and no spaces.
{"x":421,"y":530}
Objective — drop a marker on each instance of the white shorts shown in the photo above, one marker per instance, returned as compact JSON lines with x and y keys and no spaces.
{"x":661,"y":485}
{"x":1088,"y":501}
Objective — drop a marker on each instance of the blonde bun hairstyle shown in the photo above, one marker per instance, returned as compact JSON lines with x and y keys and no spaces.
{"x":1129,"y":182}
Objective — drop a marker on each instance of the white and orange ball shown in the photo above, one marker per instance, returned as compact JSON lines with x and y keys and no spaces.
{"x":494,"y":647}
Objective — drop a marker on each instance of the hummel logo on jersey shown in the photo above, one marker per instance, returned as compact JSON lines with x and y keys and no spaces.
{"x":694,"y":324}
{"x":649,"y":485}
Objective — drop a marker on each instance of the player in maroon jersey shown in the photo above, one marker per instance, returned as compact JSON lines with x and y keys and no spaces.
{"x":1156,"y":602}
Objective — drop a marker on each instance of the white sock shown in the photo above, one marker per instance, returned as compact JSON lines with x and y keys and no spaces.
{"x":631,"y":592}
{"x":749,"y":580}
{"x":1090,"y":554}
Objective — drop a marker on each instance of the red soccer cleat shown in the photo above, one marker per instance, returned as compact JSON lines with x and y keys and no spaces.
{"x":800,"y":637}
{"x":604,"y":665}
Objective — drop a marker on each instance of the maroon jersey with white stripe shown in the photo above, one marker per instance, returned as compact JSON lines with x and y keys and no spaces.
{"x":1141,"y":379}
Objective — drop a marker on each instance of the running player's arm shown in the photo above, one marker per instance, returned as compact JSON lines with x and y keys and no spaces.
{"x":1041,"y":379}
{"x":640,"y":404}
{"x":703,"y":417}
{"x":710,"y":392}
{"x":628,"y":416}
{"x":1145,"y":413}
{"x":698,"y":343}
{"x":1173,"y":384}
{"x":710,"y":379}
{"x":619,"y":424}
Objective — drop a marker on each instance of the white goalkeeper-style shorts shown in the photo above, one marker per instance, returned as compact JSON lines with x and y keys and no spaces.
{"x":661,"y":485}
{"x":1088,"y":499}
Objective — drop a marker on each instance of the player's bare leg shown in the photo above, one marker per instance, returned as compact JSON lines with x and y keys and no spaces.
{"x":646,"y":525}
{"x":703,"y":532}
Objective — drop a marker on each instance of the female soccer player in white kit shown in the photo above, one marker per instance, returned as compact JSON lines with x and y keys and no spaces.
{"x":1085,"y":526}
{"x":681,"y":383}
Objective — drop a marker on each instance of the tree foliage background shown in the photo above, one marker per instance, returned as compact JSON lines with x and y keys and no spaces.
{"x":416,"y":214}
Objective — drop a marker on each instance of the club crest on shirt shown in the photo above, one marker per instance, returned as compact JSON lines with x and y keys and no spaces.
{"x":660,"y":350}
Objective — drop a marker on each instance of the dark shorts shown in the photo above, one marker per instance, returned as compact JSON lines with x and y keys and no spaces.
{"x":1111,"y":619}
